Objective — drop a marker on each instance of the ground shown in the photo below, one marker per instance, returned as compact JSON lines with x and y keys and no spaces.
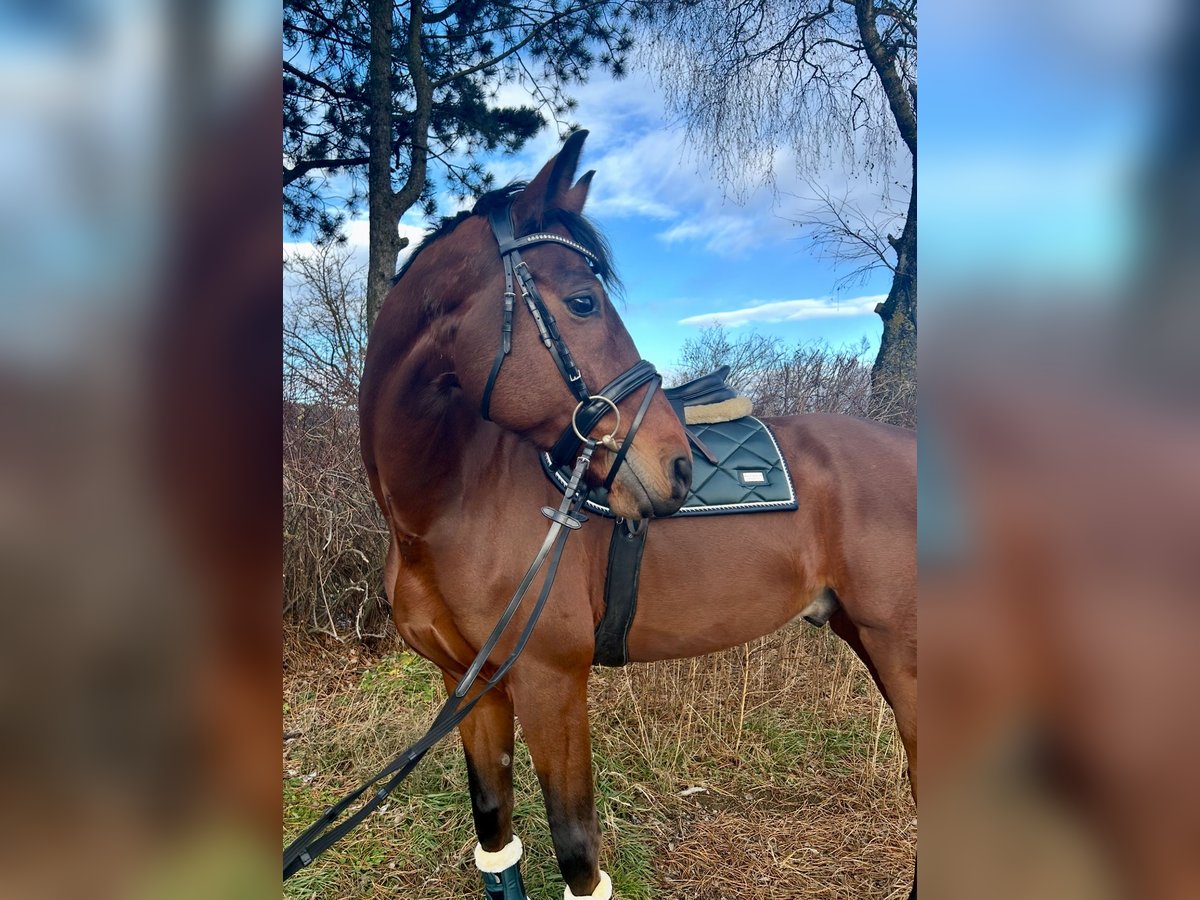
{"x":772,"y":769}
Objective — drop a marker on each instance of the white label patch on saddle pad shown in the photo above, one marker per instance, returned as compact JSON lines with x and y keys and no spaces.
{"x":753,"y":477}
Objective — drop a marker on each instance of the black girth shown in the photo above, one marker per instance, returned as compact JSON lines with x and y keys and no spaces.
{"x":625,"y":549}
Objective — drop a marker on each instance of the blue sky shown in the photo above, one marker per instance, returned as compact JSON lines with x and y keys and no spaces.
{"x":688,"y":254}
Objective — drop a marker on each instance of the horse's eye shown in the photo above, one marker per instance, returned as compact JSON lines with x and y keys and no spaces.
{"x":583,"y":305}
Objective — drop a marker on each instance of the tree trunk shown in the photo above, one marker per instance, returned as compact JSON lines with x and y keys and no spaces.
{"x":383,"y":248}
{"x":894,"y":375}
{"x":384,"y":239}
{"x":386,"y":205}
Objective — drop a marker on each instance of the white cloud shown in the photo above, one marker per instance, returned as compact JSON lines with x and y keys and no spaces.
{"x":788,"y":311}
{"x":646,"y":168}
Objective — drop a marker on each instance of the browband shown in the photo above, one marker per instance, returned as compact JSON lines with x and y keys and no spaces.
{"x":546,"y":237}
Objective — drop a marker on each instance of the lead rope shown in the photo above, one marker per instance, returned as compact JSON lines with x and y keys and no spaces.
{"x":320,"y":836}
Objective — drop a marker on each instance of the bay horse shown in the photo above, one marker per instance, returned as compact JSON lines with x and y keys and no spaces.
{"x":450,"y":439}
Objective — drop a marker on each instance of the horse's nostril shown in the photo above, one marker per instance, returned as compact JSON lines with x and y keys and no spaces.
{"x":682,"y":476}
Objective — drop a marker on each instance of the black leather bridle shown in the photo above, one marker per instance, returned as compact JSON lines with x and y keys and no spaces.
{"x":592,"y":407}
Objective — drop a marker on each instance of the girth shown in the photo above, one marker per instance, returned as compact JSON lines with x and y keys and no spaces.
{"x":625,"y":549}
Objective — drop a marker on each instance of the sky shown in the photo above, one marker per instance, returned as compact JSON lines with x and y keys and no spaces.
{"x":689,"y":255}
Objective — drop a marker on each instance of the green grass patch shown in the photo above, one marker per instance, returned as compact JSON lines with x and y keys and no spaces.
{"x":801,"y":739}
{"x":403,"y":675}
{"x":653,"y":734}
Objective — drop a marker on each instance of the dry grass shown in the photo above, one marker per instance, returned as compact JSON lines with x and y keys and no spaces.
{"x":800,"y":775}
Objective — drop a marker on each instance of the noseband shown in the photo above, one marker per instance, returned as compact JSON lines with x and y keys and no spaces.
{"x":592,"y":407}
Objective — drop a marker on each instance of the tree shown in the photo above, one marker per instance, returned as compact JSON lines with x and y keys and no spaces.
{"x":392,"y":102}
{"x":830,"y":79}
{"x":324,"y":327}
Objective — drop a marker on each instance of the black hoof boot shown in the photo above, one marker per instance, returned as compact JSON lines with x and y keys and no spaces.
{"x":506,"y":885}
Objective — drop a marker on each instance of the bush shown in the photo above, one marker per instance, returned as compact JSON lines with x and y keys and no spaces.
{"x":334,"y":537}
{"x":788,"y":380}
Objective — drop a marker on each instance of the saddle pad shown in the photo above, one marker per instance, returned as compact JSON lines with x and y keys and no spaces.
{"x":751,"y":474}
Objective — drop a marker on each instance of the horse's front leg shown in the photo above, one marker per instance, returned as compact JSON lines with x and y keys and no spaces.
{"x":487,"y":736}
{"x":552,"y":707}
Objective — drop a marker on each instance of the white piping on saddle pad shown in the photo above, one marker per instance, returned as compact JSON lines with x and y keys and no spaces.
{"x":603,"y":890}
{"x":504,"y":858}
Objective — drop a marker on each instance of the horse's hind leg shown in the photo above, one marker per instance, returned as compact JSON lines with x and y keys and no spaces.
{"x":891,"y":658}
{"x":487,"y":736}
{"x":552,"y":706}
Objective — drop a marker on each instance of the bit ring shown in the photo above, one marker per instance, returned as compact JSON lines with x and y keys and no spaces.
{"x":609,"y":440}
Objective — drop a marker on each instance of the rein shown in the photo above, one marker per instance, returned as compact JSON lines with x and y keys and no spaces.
{"x":323,"y":833}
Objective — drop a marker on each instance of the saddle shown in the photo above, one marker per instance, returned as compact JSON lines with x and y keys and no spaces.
{"x":737,"y":468}
{"x":708,"y":399}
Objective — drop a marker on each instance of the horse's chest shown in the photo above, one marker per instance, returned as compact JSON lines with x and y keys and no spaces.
{"x":479,"y":557}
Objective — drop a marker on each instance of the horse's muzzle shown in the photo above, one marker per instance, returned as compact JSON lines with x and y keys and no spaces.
{"x":645,"y":491}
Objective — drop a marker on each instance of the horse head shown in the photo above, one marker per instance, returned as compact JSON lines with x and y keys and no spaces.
{"x":560,"y":340}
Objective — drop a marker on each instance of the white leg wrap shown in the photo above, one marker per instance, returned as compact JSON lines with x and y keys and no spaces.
{"x":603,"y":890}
{"x":504,"y":858}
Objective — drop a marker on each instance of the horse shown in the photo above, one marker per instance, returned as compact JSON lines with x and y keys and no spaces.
{"x":458,"y":397}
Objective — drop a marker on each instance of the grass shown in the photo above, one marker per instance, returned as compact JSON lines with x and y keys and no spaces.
{"x":770,"y":769}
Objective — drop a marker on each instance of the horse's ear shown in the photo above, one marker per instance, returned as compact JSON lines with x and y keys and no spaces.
{"x":551,"y":188}
{"x":577,"y":196}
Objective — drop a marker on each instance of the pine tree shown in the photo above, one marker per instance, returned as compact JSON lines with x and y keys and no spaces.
{"x":390,"y":103}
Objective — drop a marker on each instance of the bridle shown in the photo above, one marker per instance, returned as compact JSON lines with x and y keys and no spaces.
{"x":591,"y":408}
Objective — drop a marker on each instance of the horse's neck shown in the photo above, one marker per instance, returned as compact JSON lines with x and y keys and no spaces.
{"x":460,"y":471}
{"x":440,"y":452}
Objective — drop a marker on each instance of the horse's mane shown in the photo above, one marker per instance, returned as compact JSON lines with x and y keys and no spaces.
{"x":580,"y":228}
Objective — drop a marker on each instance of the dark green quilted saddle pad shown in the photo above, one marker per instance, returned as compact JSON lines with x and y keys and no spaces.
{"x":750,"y":476}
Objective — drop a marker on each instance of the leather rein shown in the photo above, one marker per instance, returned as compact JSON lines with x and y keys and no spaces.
{"x":589,"y":410}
